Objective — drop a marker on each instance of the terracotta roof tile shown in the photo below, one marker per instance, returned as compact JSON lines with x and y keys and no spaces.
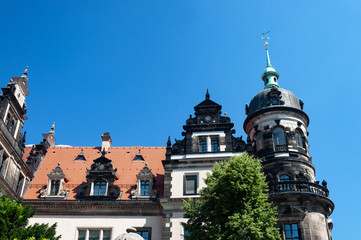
{"x":75,"y":170}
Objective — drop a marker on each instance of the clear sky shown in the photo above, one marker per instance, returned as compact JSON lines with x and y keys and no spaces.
{"x":137,"y":69}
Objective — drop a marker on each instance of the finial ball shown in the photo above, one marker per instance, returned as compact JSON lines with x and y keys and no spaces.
{"x":266,"y":44}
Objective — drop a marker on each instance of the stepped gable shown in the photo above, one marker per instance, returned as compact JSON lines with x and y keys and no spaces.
{"x":122,"y":158}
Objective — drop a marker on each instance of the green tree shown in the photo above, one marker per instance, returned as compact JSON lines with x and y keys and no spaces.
{"x":233,"y":205}
{"x":14,"y":219}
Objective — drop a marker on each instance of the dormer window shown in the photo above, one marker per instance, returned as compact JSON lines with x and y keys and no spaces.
{"x":203,"y":146}
{"x":138,"y":157}
{"x":274,"y":101}
{"x":100,"y":181}
{"x":144,"y":190}
{"x":99,"y":188}
{"x":214,"y":146}
{"x":54,"y":189}
{"x":144,"y":187}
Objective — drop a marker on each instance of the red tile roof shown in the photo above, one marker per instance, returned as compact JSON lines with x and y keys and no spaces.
{"x":27,"y":150}
{"x":75,"y":170}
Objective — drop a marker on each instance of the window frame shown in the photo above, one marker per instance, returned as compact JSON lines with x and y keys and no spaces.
{"x":87,"y":230}
{"x":145,"y":191}
{"x":279,"y":137}
{"x":105,"y":190}
{"x":202,"y":145}
{"x":195,"y":192}
{"x":213,"y":145}
{"x":145,"y":229}
{"x":284,"y":187}
{"x":52,"y":186}
{"x":299,"y":139}
{"x":292,"y":231}
{"x":259,"y":138}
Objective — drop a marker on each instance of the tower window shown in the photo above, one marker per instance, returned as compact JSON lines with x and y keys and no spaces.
{"x":214,"y":146}
{"x":99,"y":188}
{"x":54,"y":188}
{"x":284,"y":187}
{"x":144,"y":188}
{"x":259,"y":142}
{"x":203,"y":146}
{"x":291,"y":232}
{"x":279,"y":137}
{"x":299,"y":140}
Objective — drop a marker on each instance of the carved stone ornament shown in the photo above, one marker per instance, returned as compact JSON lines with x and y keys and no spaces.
{"x":274,"y":97}
{"x":144,"y":175}
{"x":56,"y":177}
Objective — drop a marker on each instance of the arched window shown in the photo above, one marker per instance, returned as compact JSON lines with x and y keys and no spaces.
{"x":203,"y":146}
{"x":99,"y":188}
{"x":284,"y":187}
{"x":259,"y":142}
{"x":214,"y":146}
{"x":299,"y":140}
{"x":279,"y":137}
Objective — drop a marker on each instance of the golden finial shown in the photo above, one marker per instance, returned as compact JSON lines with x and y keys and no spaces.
{"x":265,"y":37}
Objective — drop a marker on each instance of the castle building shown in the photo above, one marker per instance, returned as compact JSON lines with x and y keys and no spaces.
{"x":99,"y":192}
{"x":15,"y":176}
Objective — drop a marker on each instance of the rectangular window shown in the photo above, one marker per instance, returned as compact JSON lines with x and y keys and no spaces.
{"x":94,"y":234}
{"x":99,"y":188}
{"x":54,"y":188}
{"x":291,"y":232}
{"x":81,"y":234}
{"x":145,"y":232}
{"x":144,"y":188}
{"x":190,"y":184}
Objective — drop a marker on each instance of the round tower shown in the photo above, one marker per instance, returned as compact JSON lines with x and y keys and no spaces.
{"x":277,"y":128}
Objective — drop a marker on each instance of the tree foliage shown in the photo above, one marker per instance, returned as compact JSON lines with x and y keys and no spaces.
{"x":233,"y":205}
{"x":14,"y":219}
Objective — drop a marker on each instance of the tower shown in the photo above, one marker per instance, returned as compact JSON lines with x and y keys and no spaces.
{"x":14,"y":174}
{"x":277,"y":128}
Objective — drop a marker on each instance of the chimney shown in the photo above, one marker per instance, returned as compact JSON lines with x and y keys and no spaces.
{"x":106,"y":141}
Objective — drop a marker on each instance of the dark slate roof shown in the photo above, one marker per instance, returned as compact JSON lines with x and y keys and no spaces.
{"x":262,"y":100}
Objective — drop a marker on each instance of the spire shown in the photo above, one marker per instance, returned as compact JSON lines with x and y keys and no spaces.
{"x":25,"y":73}
{"x":207,"y":95}
{"x":269,"y":76}
{"x":52,"y":129}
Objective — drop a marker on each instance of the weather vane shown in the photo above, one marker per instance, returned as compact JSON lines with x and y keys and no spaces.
{"x":265,"y":37}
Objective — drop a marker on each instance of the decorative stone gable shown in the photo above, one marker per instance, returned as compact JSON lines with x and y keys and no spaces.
{"x":100,"y":181}
{"x":54,"y":189}
{"x":207,"y":131}
{"x":145,"y":182}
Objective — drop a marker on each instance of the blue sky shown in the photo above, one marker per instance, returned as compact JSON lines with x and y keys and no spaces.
{"x":137,"y":68}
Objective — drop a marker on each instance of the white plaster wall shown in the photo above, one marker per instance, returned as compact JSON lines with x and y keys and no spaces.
{"x":67,"y":225}
{"x":178,"y":180}
{"x":176,"y":227}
